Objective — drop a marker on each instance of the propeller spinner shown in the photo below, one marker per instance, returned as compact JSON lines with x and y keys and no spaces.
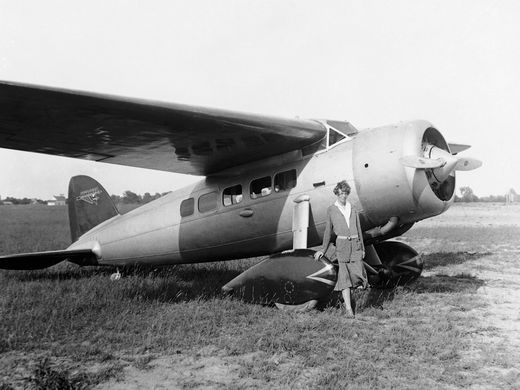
{"x":442,"y":162}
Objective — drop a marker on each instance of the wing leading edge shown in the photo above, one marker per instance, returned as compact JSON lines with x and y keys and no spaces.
{"x":141,"y":133}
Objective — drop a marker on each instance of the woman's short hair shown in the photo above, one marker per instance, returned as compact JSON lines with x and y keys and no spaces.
{"x":342,"y":186}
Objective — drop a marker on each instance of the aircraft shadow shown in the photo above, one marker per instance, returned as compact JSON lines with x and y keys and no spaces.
{"x":441,"y":259}
{"x":204,"y":281}
{"x":460,"y":283}
{"x":179,"y":283}
{"x":59,"y":272}
{"x":376,"y":298}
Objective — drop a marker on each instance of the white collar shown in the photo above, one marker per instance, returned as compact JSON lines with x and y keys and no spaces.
{"x":345,"y":210}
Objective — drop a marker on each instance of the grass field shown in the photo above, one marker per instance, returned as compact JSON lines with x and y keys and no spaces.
{"x":457,"y":326}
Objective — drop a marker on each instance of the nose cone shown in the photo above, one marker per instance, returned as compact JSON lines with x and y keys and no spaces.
{"x":448,"y":161}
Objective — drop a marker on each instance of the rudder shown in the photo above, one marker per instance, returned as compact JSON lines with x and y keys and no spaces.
{"x":89,"y":205}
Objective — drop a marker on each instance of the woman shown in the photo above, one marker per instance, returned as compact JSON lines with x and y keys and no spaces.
{"x":343,"y":221}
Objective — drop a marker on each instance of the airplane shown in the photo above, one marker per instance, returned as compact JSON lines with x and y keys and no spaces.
{"x":267,"y":181}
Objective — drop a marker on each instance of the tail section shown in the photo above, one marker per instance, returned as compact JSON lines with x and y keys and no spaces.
{"x":89,"y":205}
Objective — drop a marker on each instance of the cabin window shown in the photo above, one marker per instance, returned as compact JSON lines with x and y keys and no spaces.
{"x":208,"y":202}
{"x":187,"y":207}
{"x":284,"y":181}
{"x":232,"y":195}
{"x":260,"y":187}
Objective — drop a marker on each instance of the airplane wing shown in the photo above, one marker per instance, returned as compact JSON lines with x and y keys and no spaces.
{"x":40,"y":260}
{"x":141,"y":133}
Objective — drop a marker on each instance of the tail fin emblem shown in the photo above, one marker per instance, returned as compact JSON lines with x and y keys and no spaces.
{"x":90,"y":196}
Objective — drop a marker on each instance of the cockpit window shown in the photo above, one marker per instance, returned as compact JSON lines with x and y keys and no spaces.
{"x":260,"y":187}
{"x":284,"y":181}
{"x":232,"y":195}
{"x":335,"y":137}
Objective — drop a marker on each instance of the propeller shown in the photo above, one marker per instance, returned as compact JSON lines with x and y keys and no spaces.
{"x":442,"y":162}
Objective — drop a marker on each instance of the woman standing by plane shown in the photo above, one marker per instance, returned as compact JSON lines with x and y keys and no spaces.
{"x":343,"y":221}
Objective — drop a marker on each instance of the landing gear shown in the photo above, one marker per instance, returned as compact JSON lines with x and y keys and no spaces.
{"x":400,"y":264}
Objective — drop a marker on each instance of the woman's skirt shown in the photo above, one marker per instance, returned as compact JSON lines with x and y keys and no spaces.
{"x":351,"y":272}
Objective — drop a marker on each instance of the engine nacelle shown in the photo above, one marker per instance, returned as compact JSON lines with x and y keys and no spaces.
{"x":388,"y":186}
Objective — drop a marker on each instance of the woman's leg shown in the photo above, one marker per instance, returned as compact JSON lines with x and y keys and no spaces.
{"x":346,"y":298}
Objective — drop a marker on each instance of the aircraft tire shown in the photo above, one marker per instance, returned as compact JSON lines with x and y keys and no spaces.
{"x":401,"y":265}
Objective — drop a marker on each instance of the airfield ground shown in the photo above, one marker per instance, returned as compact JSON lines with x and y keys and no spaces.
{"x":458,"y":326}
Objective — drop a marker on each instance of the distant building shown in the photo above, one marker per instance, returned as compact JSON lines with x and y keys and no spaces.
{"x":7,"y":203}
{"x":59,"y":200}
{"x":511,"y":196}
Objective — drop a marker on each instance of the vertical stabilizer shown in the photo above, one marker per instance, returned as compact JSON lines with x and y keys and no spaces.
{"x":89,"y":205}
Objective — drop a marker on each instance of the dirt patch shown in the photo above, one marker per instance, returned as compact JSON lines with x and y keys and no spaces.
{"x":497,"y":341}
{"x":207,"y":369}
{"x":170,"y":372}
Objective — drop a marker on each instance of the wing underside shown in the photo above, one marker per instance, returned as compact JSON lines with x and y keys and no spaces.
{"x":146,"y":134}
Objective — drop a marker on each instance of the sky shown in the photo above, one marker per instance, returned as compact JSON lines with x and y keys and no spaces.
{"x":372,"y":63}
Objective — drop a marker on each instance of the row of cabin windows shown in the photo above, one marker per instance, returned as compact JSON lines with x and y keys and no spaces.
{"x":258,"y":188}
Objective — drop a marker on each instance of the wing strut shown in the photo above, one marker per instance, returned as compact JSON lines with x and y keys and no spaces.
{"x":300,"y":223}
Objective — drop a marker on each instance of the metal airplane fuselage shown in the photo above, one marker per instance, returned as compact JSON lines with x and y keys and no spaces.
{"x":382,"y":188}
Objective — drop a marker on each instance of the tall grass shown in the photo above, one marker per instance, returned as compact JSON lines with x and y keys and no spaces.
{"x":33,"y":228}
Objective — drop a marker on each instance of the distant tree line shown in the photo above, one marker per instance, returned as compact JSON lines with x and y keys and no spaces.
{"x":11,"y":200}
{"x":128,"y":197}
{"x":467,"y":195}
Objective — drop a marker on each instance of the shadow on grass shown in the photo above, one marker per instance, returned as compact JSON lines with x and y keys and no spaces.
{"x":461,"y":283}
{"x":58,"y":272}
{"x":441,"y":259}
{"x":162,"y":283}
{"x":66,"y":271}
{"x":373,"y":297}
{"x":181,"y":284}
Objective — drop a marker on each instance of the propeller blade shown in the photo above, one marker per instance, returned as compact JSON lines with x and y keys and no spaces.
{"x":457,"y":148}
{"x":442,"y":162}
{"x":467,"y":164}
{"x":421,"y":162}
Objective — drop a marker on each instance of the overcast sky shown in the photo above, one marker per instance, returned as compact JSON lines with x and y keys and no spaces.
{"x":454,"y":63}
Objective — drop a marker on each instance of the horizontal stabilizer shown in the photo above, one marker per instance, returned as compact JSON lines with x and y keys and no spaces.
{"x":421,"y":162}
{"x":40,"y":260}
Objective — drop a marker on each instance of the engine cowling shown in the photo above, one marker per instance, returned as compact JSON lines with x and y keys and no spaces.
{"x":405,"y":170}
